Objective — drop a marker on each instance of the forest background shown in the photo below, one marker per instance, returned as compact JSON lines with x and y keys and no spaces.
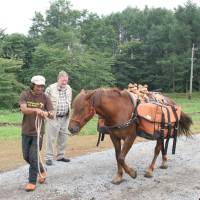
{"x":149,"y":46}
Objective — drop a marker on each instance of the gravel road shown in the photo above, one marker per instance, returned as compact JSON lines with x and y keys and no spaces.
{"x":89,"y":177}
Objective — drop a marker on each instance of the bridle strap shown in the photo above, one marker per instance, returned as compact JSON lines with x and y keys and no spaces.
{"x":75,"y":120}
{"x":91,"y":114}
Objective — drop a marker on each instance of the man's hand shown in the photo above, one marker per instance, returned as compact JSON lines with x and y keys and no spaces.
{"x":45,"y":114}
{"x":41,"y":113}
{"x":38,"y":111}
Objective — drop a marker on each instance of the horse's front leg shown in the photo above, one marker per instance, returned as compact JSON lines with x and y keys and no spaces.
{"x":164,"y":164}
{"x":151,"y":168}
{"x":117,"y":179}
{"x":128,"y":142}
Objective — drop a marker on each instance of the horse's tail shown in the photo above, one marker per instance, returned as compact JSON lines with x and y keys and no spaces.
{"x":184,"y":125}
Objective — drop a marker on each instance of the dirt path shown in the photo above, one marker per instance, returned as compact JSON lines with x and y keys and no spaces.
{"x":88,"y":177}
{"x":11,"y":155}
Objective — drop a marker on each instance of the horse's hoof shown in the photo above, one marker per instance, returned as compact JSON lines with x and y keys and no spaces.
{"x":116,"y":182}
{"x":148,"y":174}
{"x":164,"y":165}
{"x":134,"y":175}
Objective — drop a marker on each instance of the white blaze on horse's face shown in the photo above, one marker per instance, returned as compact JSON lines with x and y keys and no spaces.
{"x":83,"y":111}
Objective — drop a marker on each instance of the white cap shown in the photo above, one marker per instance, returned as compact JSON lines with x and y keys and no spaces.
{"x":38,"y":80}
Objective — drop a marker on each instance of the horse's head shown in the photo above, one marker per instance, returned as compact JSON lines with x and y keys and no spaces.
{"x":83,"y":111}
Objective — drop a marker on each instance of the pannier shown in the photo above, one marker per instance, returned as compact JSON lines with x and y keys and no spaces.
{"x":157,"y":120}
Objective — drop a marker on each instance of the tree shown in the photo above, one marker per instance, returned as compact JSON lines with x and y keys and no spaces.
{"x":10,"y":88}
{"x":98,"y":34}
{"x":38,"y":25}
{"x":13,"y":46}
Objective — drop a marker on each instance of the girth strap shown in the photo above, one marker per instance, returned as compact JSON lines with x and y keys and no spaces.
{"x":162,"y":136}
{"x":169,"y":130}
{"x":102,"y":130}
{"x":100,"y":138}
{"x":175,"y":130}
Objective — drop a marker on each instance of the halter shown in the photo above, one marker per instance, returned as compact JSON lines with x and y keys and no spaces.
{"x":90,"y":114}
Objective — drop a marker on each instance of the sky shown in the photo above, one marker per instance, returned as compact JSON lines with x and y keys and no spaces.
{"x":16,"y":15}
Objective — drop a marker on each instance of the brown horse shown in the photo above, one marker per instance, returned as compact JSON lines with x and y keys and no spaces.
{"x":116,"y":107}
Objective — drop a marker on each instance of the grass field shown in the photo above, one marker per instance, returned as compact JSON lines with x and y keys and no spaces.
{"x":14,"y":132}
{"x":10,"y":117}
{"x":191,"y":107}
{"x":188,"y":106}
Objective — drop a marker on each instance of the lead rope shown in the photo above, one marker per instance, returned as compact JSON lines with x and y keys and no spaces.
{"x":38,"y":125}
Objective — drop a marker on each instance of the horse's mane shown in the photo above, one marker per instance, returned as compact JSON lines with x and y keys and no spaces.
{"x":100,"y":92}
{"x":108,"y":92}
{"x":94,"y":96}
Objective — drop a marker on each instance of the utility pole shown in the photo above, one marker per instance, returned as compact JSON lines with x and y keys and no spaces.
{"x":191,"y":71}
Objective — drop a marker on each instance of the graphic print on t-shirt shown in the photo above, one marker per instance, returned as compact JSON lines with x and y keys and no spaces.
{"x":31,"y":104}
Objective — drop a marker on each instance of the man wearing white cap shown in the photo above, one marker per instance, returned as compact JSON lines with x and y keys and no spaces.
{"x":34,"y":103}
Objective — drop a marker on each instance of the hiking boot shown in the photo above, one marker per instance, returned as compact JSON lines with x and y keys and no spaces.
{"x":64,"y":159}
{"x":30,"y":187}
{"x":49,"y":162}
{"x":42,"y":177}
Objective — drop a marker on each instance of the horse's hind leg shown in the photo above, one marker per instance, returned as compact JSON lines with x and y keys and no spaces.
{"x":164,"y":164}
{"x":128,"y":142}
{"x":150,"y":169}
{"x":117,"y":179}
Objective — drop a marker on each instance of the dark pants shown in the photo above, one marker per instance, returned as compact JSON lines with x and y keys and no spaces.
{"x":29,"y":149}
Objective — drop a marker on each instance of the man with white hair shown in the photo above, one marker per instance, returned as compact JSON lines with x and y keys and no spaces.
{"x":60,"y":94}
{"x":34,"y":103}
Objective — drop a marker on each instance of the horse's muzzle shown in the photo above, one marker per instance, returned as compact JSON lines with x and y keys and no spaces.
{"x":74,"y":129}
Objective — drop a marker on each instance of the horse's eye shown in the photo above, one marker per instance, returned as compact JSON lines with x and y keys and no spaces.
{"x":81,"y":110}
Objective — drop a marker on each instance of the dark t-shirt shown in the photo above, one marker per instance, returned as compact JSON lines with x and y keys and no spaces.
{"x":33,"y":101}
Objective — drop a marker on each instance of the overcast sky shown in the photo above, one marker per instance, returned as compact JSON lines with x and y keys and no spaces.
{"x":16,"y":15}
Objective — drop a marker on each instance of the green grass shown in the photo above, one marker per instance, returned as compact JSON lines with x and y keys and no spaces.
{"x":10,"y":132}
{"x":188,"y":106}
{"x":90,"y":128}
{"x":10,"y":117}
{"x":196,"y":122}
{"x":13,"y":132}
